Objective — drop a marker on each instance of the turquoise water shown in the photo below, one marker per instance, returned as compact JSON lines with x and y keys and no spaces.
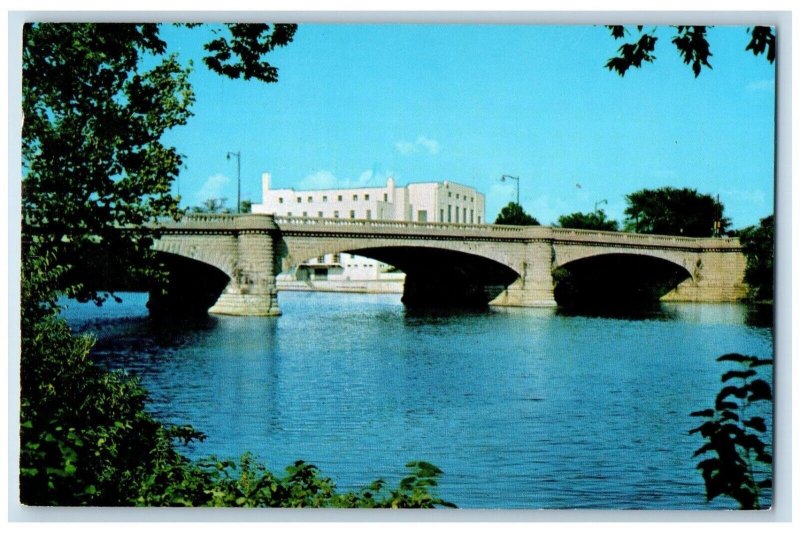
{"x":521,"y":408}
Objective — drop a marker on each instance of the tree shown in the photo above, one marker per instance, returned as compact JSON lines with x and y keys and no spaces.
{"x":514,"y":215}
{"x":595,"y":220}
{"x":212,"y":205}
{"x":758,"y":245}
{"x":95,"y":112}
{"x":671,"y":211}
{"x":691,"y":43}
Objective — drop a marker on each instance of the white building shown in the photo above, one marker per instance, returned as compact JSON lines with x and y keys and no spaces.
{"x":445,"y":202}
{"x":421,"y":202}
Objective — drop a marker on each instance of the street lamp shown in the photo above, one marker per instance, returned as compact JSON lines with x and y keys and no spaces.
{"x":503,"y":178}
{"x":238,"y":156}
{"x":598,"y":203}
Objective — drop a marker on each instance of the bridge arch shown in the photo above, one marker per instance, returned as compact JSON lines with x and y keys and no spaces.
{"x":192,"y":286}
{"x":435,"y":274}
{"x":620,"y":279}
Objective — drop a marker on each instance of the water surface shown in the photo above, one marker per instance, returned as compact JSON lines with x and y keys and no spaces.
{"x":521,"y":408}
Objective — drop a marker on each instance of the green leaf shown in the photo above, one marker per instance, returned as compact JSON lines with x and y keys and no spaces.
{"x":735,"y":357}
{"x":759,"y":390}
{"x":756,"y":423}
{"x":742,"y":374}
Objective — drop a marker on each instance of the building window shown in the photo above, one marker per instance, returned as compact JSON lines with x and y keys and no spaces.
{"x":456,"y":196}
{"x":369,"y":214}
{"x":471,"y":216}
{"x":339,"y":198}
{"x":324,"y":198}
{"x":366,"y":197}
{"x":305,"y":214}
{"x":289,"y":214}
{"x":385,"y":197}
{"x":441,"y":215}
{"x":299,"y":200}
{"x":422,"y":215}
{"x":310,"y":199}
{"x":280,"y":200}
{"x":449,"y":194}
{"x":449,"y":213}
{"x":479,"y":219}
{"x":336,"y":214}
{"x":352,"y":214}
{"x":355,"y":197}
{"x":464,"y":218}
{"x":319,"y":214}
{"x":456,"y":214}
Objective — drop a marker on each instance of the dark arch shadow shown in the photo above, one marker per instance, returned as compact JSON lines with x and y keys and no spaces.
{"x":616,"y":282}
{"x":437,"y":277}
{"x":191,"y":287}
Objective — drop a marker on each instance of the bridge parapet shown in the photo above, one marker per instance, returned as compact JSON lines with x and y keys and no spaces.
{"x":220,"y":222}
{"x":643,"y":239}
{"x":393,"y":224}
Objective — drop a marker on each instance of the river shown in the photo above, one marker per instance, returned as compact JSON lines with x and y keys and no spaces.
{"x":521,"y":408}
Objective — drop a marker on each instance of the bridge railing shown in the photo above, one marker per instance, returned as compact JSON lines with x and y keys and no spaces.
{"x":393,"y":224}
{"x":642,"y":238}
{"x":243,"y":221}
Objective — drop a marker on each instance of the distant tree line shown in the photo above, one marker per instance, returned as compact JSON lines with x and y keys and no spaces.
{"x":663,"y":211}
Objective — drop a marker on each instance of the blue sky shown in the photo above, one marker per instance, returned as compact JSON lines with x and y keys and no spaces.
{"x":468,"y":103}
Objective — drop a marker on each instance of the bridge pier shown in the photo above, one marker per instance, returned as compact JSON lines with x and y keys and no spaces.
{"x":534,"y":287}
{"x":251,"y":290}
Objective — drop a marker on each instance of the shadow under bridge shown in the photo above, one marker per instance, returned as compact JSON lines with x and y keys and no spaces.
{"x":437,"y":277}
{"x":616,"y":280}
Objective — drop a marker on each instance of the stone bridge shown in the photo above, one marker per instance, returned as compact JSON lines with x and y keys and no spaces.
{"x":238,"y":257}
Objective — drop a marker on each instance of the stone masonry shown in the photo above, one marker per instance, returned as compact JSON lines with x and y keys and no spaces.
{"x":251,"y":249}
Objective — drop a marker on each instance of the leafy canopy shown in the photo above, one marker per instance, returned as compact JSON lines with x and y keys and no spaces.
{"x":596,"y":220}
{"x":672,"y":211}
{"x":514,"y":215}
{"x":97,"y":99}
{"x":690,"y":41}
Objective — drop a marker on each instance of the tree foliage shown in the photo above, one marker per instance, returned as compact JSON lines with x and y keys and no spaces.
{"x":514,"y":215}
{"x":212,"y":205}
{"x":758,"y":245}
{"x":87,"y":439}
{"x":690,"y":41}
{"x":672,"y":211}
{"x":596,"y":220}
{"x":97,"y":99}
{"x":737,"y":462}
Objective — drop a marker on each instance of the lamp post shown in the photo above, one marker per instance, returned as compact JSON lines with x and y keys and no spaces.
{"x":238,"y":156}
{"x":503,"y":178}
{"x":598,"y":203}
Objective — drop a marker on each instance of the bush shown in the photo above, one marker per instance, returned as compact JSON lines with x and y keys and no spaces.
{"x":86,"y":438}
